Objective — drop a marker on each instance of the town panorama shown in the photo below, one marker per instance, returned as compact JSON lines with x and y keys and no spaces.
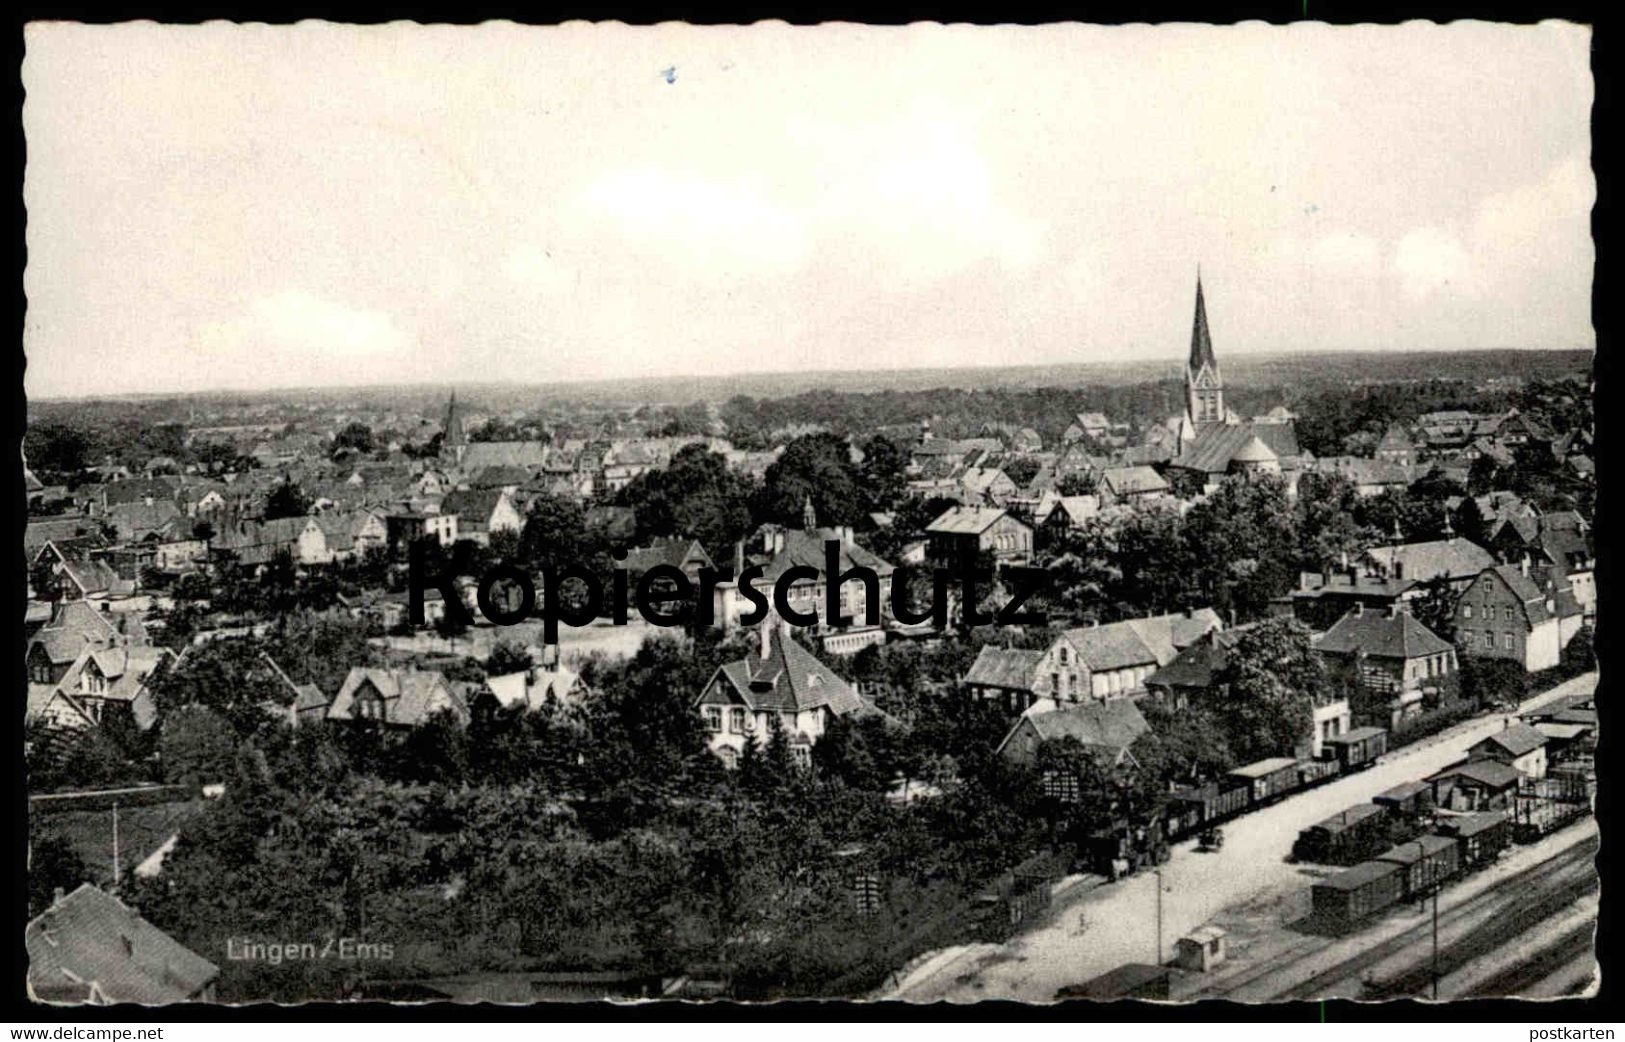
{"x":914,"y":515}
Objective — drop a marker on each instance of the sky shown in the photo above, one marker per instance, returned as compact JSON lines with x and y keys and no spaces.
{"x":247,"y":207}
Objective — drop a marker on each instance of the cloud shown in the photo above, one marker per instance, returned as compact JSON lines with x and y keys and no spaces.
{"x":294,"y":336}
{"x":1428,"y":260}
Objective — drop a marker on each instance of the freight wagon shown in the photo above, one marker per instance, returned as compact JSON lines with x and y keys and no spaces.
{"x":1481,"y":837}
{"x":1269,"y":779}
{"x":1208,"y":804}
{"x":1358,"y":749}
{"x":1428,"y":862}
{"x":1357,"y":893}
{"x":1346,"y":838}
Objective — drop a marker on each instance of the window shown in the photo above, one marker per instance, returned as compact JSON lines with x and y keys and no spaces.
{"x":736,"y":721}
{"x":1509,"y":613}
{"x":713,"y":718}
{"x":1466,"y":611}
{"x":1489,"y":639}
{"x":1506,"y":641}
{"x":1467,"y":638}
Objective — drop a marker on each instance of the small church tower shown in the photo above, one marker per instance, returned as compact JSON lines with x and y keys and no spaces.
{"x":454,"y":440}
{"x":1204,"y":387}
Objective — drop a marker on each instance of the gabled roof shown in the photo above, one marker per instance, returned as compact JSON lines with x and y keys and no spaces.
{"x":475,"y":505}
{"x":673,"y":552}
{"x":410,"y":696}
{"x":1215,"y":445}
{"x":1516,"y":740}
{"x":1108,"y":728}
{"x":90,"y":944}
{"x":1128,"y":481}
{"x":966,"y":520}
{"x":76,"y":625}
{"x":481,"y":454}
{"x":1525,"y":590}
{"x":1114,"y":646}
{"x":1454,"y":558}
{"x":789,"y":678}
{"x":1491,"y":773}
{"x":805,"y":548}
{"x":1009,"y":669}
{"x":1381,"y":635}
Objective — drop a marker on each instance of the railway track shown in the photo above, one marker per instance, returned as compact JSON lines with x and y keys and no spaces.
{"x":1498,"y":931}
{"x":1577,"y":859}
{"x":1516,"y":980}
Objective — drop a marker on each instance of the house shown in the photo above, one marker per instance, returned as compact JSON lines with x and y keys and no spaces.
{"x":403,"y":526}
{"x":1504,"y":614}
{"x":1519,"y":745}
{"x":254,"y":544}
{"x":776,"y":550}
{"x":782,"y":681}
{"x":396,"y":697}
{"x":1130,"y":485}
{"x":986,"y":485}
{"x":113,"y":681}
{"x":71,"y":627}
{"x":1093,"y":425}
{"x":89,"y":948}
{"x":1070,"y":513}
{"x":1397,"y":447}
{"x":685,"y":555}
{"x":1115,"y":660}
{"x":54,"y":709}
{"x":537,"y":687}
{"x":1017,"y":677}
{"x":1455,"y":560}
{"x":964,"y":533}
{"x":1370,"y":477}
{"x":1105,"y":729}
{"x":476,"y":456}
{"x":1388,"y":656}
{"x":482,"y":512}
{"x":353,"y":534}
{"x":79,"y":570}
{"x":134,"y":522}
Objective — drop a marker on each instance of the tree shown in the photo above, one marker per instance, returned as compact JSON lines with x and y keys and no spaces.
{"x":1078,"y":483}
{"x":1327,"y":530}
{"x":884,"y":474}
{"x":196,"y":746}
{"x":506,"y":657}
{"x":286,"y":500}
{"x":1242,"y":542}
{"x":53,"y":866}
{"x":58,"y":448}
{"x":354,"y":436}
{"x":1267,"y":689}
{"x":695,"y":496}
{"x":815,"y":467}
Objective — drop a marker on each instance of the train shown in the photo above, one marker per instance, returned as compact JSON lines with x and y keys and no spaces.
{"x":1411,"y":870}
{"x":1125,"y":847}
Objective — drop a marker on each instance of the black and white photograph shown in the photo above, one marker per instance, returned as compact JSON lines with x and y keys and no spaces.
{"x":700,"y":516}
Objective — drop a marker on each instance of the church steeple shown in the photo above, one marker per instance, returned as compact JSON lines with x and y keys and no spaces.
{"x":1204,"y":387}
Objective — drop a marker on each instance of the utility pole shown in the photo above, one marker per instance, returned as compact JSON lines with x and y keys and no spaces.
{"x":1159,"y":914}
{"x":115,"y":846}
{"x":1435,"y":944}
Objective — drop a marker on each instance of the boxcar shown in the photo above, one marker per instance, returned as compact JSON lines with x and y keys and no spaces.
{"x":1349,"y":837}
{"x":1357,"y":893}
{"x":1481,"y":837}
{"x":1427,"y":861}
{"x":1268,"y":779}
{"x":1213,"y":802}
{"x":1358,"y":749}
{"x":1313,"y":772}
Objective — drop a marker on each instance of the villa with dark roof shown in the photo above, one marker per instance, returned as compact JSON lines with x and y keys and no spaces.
{"x":396,"y":697}
{"x":1387,"y":656}
{"x":782,"y":681}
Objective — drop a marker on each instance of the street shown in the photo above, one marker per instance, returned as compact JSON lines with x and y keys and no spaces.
{"x":1103,"y":927}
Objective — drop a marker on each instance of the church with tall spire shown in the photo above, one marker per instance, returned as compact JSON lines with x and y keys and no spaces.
{"x":1213,"y":440}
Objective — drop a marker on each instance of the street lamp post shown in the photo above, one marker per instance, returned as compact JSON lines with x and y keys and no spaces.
{"x":1159,"y":914}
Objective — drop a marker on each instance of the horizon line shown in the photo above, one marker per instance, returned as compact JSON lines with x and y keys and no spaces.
{"x":763,"y":373}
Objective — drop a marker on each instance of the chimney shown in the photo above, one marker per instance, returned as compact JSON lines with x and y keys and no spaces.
{"x":1359,"y":608}
{"x":765,"y":631}
{"x":1523,"y":565}
{"x":1399,"y":568}
{"x":739,"y":559}
{"x":1393,"y":610}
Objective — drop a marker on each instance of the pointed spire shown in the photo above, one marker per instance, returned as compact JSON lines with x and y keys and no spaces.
{"x":1201,"y":342}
